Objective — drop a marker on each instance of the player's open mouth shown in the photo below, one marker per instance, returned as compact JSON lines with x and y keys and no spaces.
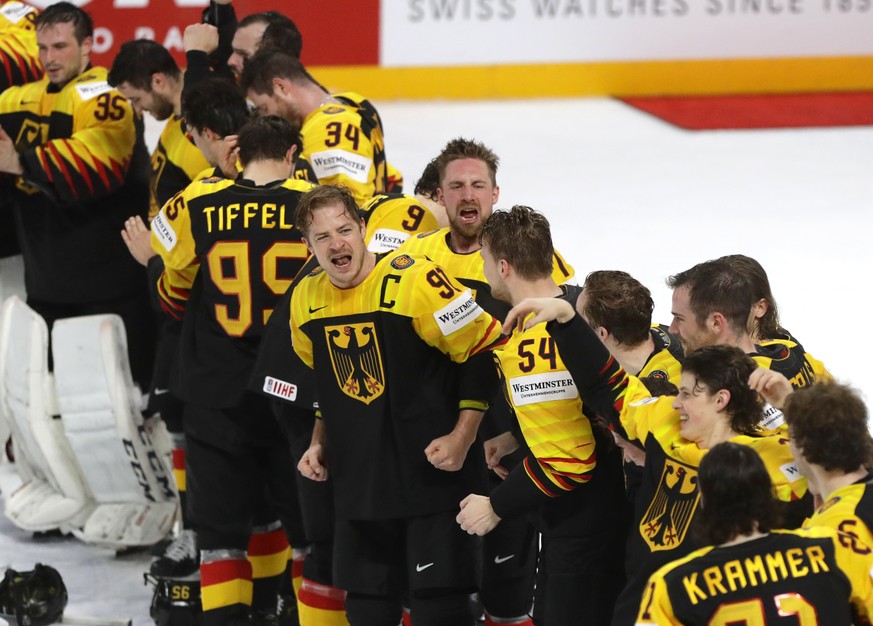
{"x":469,"y":215}
{"x":342,"y":262}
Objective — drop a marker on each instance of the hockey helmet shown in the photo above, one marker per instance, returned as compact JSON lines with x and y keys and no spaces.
{"x":34,"y":598}
{"x":176,"y":601}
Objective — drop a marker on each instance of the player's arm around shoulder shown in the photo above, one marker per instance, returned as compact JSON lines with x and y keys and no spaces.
{"x":444,"y":313}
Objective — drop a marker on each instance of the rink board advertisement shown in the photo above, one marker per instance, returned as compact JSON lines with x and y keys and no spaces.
{"x":514,"y":48}
{"x":476,"y":32}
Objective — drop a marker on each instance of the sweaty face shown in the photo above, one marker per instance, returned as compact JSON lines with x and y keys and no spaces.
{"x":685,"y":326}
{"x":337,"y":241}
{"x":698,"y":410}
{"x":61,"y":55}
{"x":159,"y":106}
{"x":468,"y":194}
{"x":245,"y":44}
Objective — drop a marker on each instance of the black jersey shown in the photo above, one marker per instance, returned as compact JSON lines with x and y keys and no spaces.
{"x":231,"y":250}
{"x":85,"y":172}
{"x":385,"y":355}
{"x":808,"y":577}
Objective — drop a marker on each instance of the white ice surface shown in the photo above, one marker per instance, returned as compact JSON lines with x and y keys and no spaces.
{"x":622,"y":191}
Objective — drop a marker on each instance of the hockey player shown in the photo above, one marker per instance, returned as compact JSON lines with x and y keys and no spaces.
{"x":828,"y":433}
{"x":570,"y":479}
{"x":241,"y":240}
{"x":80,"y":166}
{"x":146,"y":74}
{"x":619,"y":309}
{"x":382,"y":334}
{"x":343,"y":141}
{"x":467,"y":188}
{"x":751,"y":573}
{"x":764,"y":325}
{"x":391,"y":219}
{"x":717,"y":401}
{"x":712,"y":305}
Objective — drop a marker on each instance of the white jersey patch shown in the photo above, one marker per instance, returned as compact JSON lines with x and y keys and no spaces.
{"x":773,"y":417}
{"x":164,"y":232}
{"x":643,"y":401}
{"x":92,"y":90}
{"x":790,"y":471}
{"x":341,"y":163}
{"x":542,"y":388}
{"x":458,"y":313}
{"x":280,"y":388}
{"x":15,"y":11}
{"x":386,"y":240}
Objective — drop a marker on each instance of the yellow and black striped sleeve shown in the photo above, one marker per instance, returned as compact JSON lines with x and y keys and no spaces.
{"x":18,"y":50}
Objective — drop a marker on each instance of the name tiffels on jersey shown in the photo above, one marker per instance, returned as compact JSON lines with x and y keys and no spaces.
{"x":280,"y":388}
{"x":267,"y":215}
{"x":753,"y":571}
{"x":542,"y":388}
{"x":164,"y":232}
{"x":386,"y":240}
{"x":92,"y":90}
{"x":339,"y":162}
{"x":458,"y":313}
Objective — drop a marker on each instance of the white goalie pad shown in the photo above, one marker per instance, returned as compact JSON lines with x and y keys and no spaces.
{"x":12,"y":278}
{"x":54,"y":495}
{"x":100,"y":409}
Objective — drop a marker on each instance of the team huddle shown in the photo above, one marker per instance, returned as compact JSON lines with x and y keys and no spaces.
{"x":390,"y":407}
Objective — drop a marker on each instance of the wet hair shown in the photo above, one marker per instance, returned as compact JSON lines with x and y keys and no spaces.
{"x":717,"y":287}
{"x":322,"y":196}
{"x":736,"y":495}
{"x":281,"y":34}
{"x":66,"y":13}
{"x":828,"y":423}
{"x":137,"y":60}
{"x":429,"y":182}
{"x":267,"y":137}
{"x":619,"y":303}
{"x":261,"y":69}
{"x":726,"y":367}
{"x":216,"y":104}
{"x":521,"y":236}
{"x":767,"y":326}
{"x":460,"y":148}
